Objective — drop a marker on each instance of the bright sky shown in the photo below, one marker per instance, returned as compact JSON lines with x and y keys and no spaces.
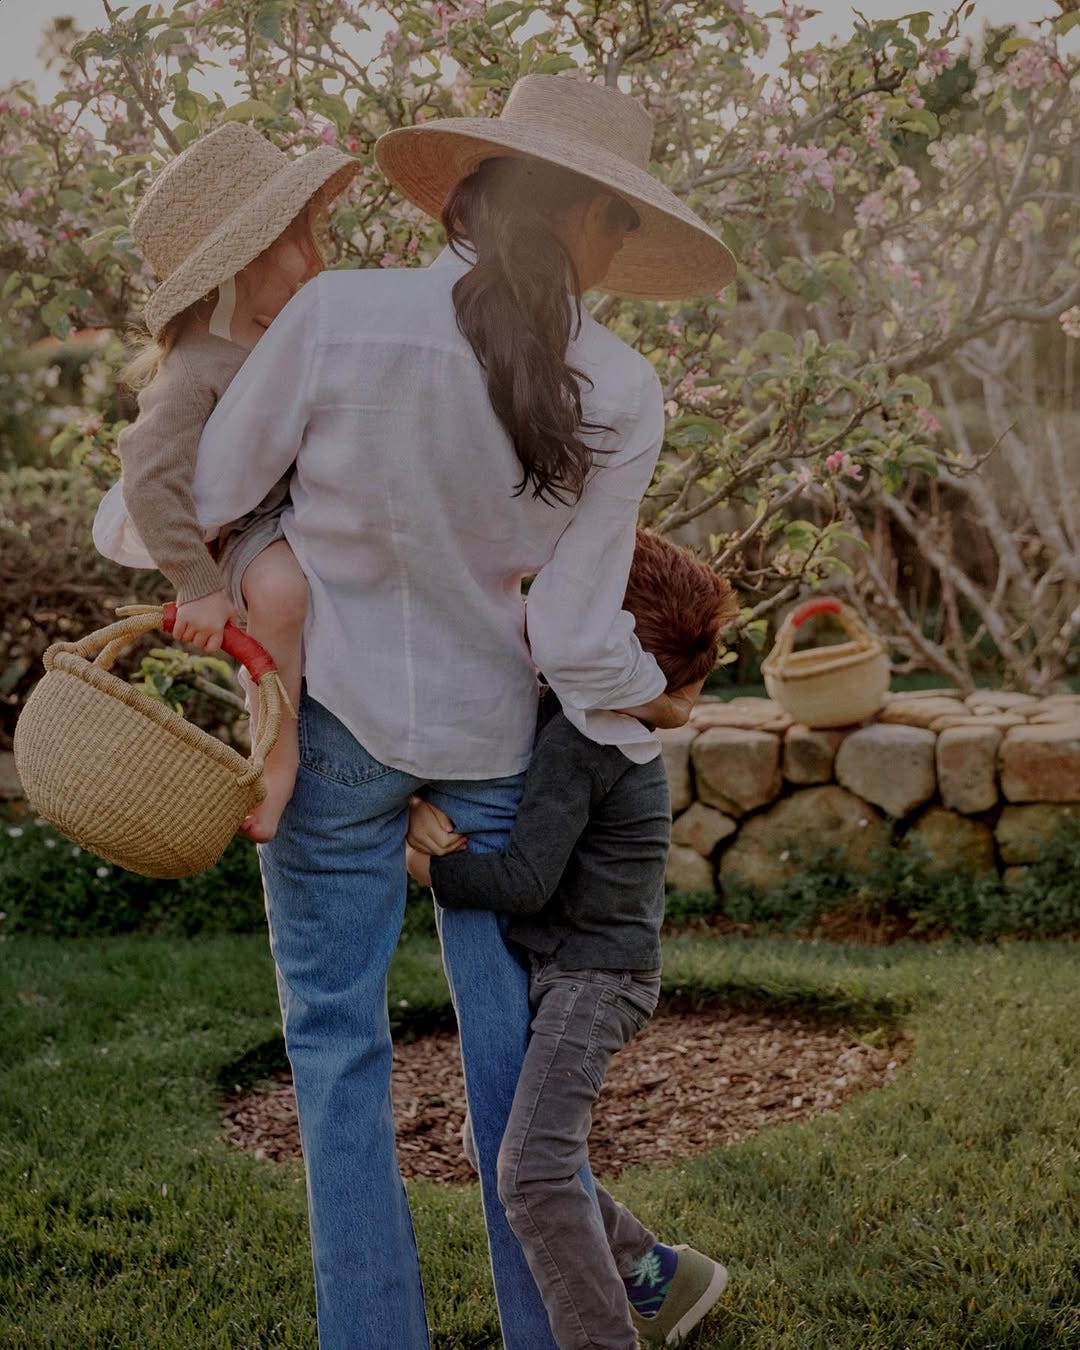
{"x":21,"y":22}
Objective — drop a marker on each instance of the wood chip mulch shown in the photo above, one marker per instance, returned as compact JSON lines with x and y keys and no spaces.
{"x":689,"y":1082}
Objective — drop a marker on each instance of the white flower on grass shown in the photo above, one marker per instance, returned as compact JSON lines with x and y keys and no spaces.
{"x":103,"y":871}
{"x":14,"y":831}
{"x":50,"y":843}
{"x":75,"y":850}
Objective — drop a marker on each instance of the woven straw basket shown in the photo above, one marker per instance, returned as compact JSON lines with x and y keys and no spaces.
{"x":827,"y":686}
{"x":123,"y":775}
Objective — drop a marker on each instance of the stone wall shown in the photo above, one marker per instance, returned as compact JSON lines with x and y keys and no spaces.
{"x":982,"y":782}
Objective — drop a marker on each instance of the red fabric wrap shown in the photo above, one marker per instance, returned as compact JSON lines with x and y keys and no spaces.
{"x":252,"y":655}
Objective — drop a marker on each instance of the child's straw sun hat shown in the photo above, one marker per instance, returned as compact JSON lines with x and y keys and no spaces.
{"x":219,"y":204}
{"x":595,"y":131}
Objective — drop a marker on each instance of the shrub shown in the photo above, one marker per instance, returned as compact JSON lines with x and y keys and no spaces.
{"x":50,"y":886}
{"x":906,"y":889}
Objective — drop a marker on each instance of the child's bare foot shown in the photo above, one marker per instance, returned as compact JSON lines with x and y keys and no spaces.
{"x":261,"y":825}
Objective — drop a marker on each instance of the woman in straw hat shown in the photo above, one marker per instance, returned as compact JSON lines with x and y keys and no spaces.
{"x":230,"y":226}
{"x":454,"y":430}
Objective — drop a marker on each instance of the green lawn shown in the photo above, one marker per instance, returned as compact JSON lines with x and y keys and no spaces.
{"x":938,"y":1213}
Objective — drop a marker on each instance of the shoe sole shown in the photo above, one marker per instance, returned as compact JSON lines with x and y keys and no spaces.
{"x":693,"y":1315}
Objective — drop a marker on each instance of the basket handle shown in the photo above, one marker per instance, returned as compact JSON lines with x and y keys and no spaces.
{"x":252,"y":655}
{"x":104,"y":645}
{"x":826,"y":604}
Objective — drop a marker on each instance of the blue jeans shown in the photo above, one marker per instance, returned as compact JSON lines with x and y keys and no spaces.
{"x":335,"y":897}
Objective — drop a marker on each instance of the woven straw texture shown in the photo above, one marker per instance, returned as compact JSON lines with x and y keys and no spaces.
{"x":833,"y":686}
{"x":217,"y":206}
{"x":595,"y":131}
{"x":124,"y":776}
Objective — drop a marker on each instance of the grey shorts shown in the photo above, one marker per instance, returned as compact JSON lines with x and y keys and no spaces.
{"x":241,"y":542}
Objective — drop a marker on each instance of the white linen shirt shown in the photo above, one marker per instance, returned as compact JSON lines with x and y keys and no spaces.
{"x":405,"y":521}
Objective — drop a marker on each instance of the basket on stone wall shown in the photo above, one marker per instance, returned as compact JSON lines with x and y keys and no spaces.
{"x":122,"y":774}
{"x":827,"y":686}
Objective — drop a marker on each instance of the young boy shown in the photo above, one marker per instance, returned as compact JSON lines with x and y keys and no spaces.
{"x":583,"y":882}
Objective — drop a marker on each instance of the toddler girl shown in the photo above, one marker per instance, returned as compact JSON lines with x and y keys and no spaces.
{"x":230,"y":229}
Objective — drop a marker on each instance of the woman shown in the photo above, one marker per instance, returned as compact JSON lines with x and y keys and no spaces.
{"x":454,"y":430}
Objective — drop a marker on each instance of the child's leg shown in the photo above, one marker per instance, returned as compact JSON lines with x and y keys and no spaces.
{"x":276,"y":596}
{"x":580,"y":1021}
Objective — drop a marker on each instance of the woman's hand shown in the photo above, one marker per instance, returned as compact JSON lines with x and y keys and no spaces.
{"x":431,"y":831}
{"x":202,"y":622}
{"x":668,"y":710}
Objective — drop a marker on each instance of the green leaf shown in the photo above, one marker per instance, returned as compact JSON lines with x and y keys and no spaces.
{"x":1067,"y":23}
{"x":497,"y":13}
{"x":186,"y":106}
{"x":774,"y":343}
{"x":69,"y":199}
{"x":1016,"y":44}
{"x":12,"y":284}
{"x":268,"y":20}
{"x":248,"y":110}
{"x":923,"y":121}
{"x":919,"y":24}
{"x":551,"y":65}
{"x":920,"y":391}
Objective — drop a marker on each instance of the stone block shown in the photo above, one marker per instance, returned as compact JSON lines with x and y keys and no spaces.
{"x":702,"y":828}
{"x":1024,"y":831}
{"x":967,"y":767}
{"x":1041,"y":763}
{"x":891,"y":766}
{"x":771,"y":847}
{"x":736,"y":770}
{"x":689,"y":871}
{"x":675,"y":747}
{"x":996,"y":700}
{"x":809,"y":754}
{"x":915,"y":695}
{"x":9,"y":779}
{"x":761,"y":714}
{"x":1012,"y":875}
{"x":954,"y":841}
{"x":920,"y":712}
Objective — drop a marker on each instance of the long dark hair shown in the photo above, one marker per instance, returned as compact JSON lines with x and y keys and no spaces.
{"x":514,"y":308}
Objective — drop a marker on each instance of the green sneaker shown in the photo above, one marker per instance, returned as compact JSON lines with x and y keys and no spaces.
{"x":696,"y":1285}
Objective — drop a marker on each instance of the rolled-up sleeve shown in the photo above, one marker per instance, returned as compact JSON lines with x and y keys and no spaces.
{"x":581,"y":637}
{"x":256,"y":430}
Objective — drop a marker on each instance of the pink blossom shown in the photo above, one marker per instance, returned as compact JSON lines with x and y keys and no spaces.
{"x":22,"y":232}
{"x":1032,"y":68}
{"x":907,"y":180}
{"x":939,"y":58}
{"x":872,"y":210}
{"x":1070,"y":322}
{"x":328,"y":134}
{"x":841,"y":462}
{"x":388,"y":260}
{"x":915,"y":99}
{"x":927,"y":421}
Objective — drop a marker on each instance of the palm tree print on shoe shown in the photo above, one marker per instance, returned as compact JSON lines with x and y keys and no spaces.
{"x":690,"y":1292}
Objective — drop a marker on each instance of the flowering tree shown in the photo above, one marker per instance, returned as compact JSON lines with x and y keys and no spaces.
{"x":904,"y":215}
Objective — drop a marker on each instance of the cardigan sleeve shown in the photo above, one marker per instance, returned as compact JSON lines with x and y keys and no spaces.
{"x":256,"y":430}
{"x":581,"y":637}
{"x":157,"y":454}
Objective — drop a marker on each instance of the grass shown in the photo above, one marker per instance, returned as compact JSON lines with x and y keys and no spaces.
{"x":937,"y":1213}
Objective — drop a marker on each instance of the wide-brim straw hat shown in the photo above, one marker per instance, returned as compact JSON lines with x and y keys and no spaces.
{"x":595,"y":131}
{"x":219,"y":204}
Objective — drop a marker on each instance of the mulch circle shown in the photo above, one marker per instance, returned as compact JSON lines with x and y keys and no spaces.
{"x":687,"y":1083}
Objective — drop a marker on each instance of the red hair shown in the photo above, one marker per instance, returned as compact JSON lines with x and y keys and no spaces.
{"x":680,"y":608}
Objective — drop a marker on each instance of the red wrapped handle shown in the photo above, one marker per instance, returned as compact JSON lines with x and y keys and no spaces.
{"x":826,"y":605}
{"x":252,"y":655}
